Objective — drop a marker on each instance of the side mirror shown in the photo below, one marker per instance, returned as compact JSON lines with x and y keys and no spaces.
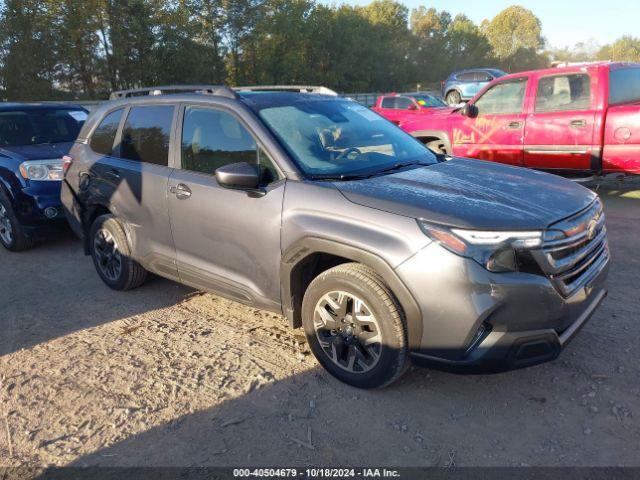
{"x":413,"y":106}
{"x":469,"y":110}
{"x":238,"y":175}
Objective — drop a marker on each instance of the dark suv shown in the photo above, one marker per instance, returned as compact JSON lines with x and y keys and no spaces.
{"x":313,"y":206}
{"x":33,"y":141}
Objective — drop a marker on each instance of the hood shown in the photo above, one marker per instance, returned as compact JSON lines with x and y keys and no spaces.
{"x":472,"y":194}
{"x":37,"y":152}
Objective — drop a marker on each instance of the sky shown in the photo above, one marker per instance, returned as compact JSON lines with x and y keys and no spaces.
{"x":564,"y":22}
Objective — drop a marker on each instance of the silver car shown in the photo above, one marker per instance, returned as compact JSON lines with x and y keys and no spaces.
{"x":294,"y":200}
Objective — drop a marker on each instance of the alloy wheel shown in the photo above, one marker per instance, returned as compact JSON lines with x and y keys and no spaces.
{"x":347,"y":331}
{"x":107,"y":254}
{"x":6,"y":230}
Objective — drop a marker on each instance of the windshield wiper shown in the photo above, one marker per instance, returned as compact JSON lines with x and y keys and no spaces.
{"x":342,"y":177}
{"x":399,"y":165}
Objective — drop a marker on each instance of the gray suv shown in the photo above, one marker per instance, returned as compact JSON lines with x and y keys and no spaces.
{"x":300,"y":202}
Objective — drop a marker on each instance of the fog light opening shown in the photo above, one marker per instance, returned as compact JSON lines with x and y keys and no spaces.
{"x":51,"y":212}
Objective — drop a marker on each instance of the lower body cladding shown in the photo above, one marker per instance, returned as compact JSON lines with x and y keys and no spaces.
{"x":476,"y":321}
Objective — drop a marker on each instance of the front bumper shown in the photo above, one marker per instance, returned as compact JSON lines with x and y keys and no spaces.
{"x":38,"y":205}
{"x":476,"y":321}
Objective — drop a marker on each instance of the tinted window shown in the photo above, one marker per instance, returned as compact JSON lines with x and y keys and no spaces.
{"x":212,"y":139}
{"x":145,"y":136}
{"x":104,"y":136}
{"x":483,"y":77}
{"x":563,"y":92}
{"x":502,"y":98}
{"x":466,"y":77}
{"x":34,"y":126}
{"x":403,"y":103}
{"x":388,"y":102}
{"x":624,"y":85}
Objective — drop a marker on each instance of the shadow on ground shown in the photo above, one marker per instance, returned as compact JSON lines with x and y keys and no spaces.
{"x":64,"y":294}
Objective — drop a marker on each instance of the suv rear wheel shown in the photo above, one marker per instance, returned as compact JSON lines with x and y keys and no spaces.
{"x":111,"y":255}
{"x":355,"y":327}
{"x":12,"y":235}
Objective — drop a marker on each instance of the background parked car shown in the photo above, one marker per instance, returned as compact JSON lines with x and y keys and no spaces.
{"x":398,"y":107}
{"x":33,"y":140}
{"x":579,"y":121}
{"x":462,"y":85}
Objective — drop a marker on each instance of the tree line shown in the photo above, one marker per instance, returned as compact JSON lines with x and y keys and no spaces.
{"x":63,"y":49}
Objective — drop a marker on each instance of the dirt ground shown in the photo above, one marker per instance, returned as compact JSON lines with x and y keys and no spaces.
{"x":166,"y":376}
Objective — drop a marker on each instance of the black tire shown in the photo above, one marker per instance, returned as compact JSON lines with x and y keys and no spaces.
{"x":130,"y":273}
{"x":12,"y":234}
{"x":453,"y":97}
{"x":437,"y":146}
{"x":366,"y":285}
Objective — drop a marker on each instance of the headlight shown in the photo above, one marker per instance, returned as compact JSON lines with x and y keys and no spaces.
{"x":494,"y":250}
{"x":42,"y":169}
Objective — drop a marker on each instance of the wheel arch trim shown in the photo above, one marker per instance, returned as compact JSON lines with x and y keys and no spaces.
{"x":291,"y":290}
{"x":438,"y":134}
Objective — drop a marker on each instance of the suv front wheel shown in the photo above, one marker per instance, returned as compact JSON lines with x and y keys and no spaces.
{"x":111,"y":255}
{"x":355,"y":326}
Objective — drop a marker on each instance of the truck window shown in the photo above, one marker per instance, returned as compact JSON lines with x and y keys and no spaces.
{"x":624,"y":85}
{"x":388,"y":102}
{"x":563,"y":92}
{"x":402,"y":103}
{"x":503,"y":98}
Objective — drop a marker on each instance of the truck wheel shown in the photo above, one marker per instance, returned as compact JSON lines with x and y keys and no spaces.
{"x":355,"y":327}
{"x":111,"y":255}
{"x":453,"y":97}
{"x":12,"y":235}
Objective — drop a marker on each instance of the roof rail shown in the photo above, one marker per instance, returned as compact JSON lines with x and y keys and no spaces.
{"x":288,"y":88}
{"x":221,"y":90}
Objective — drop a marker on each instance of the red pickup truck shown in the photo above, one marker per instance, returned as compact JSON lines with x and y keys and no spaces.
{"x":582,"y":119}
{"x":404,"y":106}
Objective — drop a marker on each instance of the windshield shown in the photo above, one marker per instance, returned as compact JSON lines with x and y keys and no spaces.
{"x":341,"y":138}
{"x":35,"y":126}
{"x":428,"y":100}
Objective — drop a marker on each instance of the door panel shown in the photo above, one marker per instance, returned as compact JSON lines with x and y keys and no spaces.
{"x":227,"y":240}
{"x":133,"y":182}
{"x":559,"y":132}
{"x":496,"y":133}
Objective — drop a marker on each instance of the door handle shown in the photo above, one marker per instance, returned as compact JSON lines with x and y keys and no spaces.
{"x":514,"y":125}
{"x":578,"y":123}
{"x":181,"y":191}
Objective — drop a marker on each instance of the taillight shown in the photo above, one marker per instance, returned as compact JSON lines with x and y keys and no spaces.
{"x":67,"y":160}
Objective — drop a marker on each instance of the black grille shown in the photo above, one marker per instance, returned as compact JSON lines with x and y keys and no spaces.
{"x":575,"y":250}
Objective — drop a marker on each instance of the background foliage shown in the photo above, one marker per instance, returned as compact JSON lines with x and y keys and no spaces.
{"x":84,"y":49}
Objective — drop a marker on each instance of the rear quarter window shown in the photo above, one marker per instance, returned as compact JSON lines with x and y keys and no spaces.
{"x":624,"y":85}
{"x":104,"y":136}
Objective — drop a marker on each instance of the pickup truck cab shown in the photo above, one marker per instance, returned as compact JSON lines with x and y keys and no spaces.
{"x":402,"y":107}
{"x":574,"y":120}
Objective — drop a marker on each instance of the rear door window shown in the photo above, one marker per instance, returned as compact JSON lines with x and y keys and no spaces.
{"x":624,"y":85}
{"x":466,"y":77}
{"x":145,"y":135}
{"x":563,"y":92}
{"x":104,"y":136}
{"x":502,"y":98}
{"x":483,"y":77}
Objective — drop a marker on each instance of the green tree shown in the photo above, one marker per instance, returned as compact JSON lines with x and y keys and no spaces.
{"x":25,"y":39}
{"x":626,"y":48}
{"x":431,"y":58}
{"x":515,"y":35}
